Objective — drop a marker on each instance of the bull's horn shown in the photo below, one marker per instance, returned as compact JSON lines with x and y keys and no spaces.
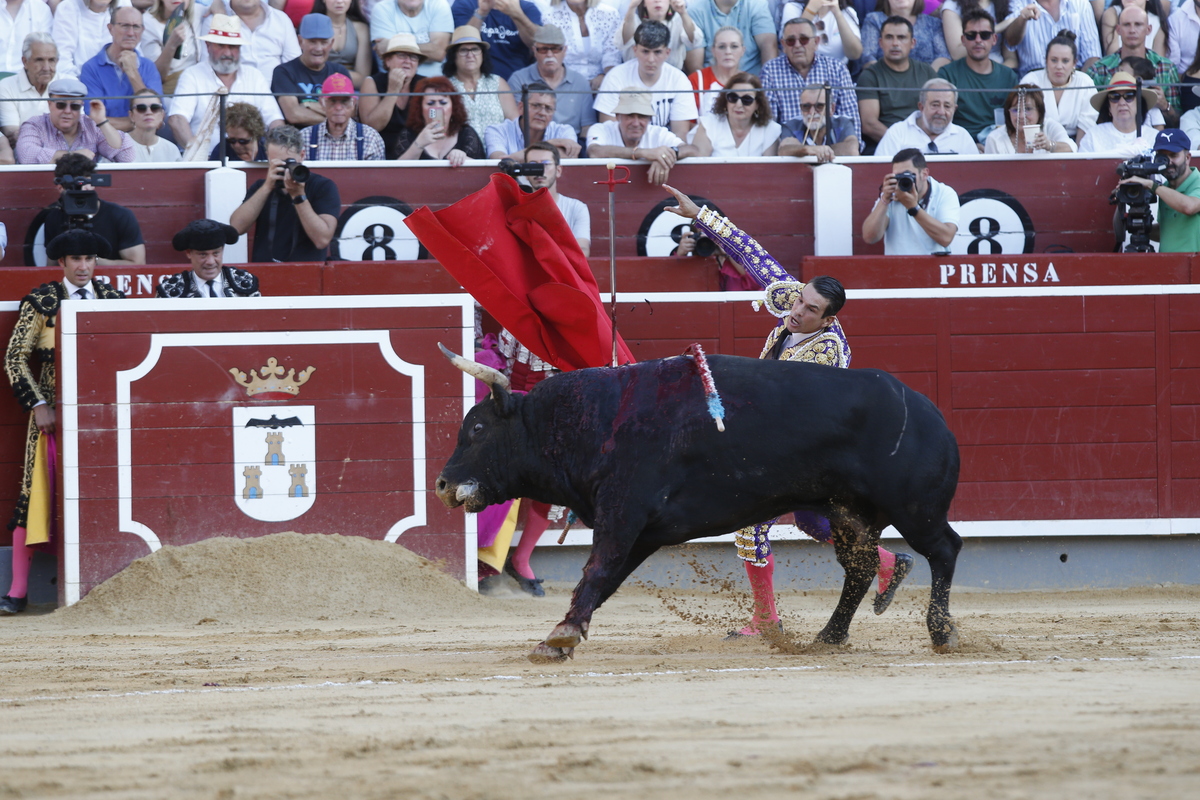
{"x":490,"y":376}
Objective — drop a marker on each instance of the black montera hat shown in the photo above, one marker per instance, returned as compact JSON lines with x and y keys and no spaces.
{"x":204,"y":234}
{"x":76,"y":242}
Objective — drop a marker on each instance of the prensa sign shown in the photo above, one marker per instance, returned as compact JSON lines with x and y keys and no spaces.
{"x":1005,"y":273}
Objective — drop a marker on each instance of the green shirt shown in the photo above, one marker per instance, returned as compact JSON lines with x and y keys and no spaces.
{"x":976,"y":110}
{"x":1180,"y":233}
{"x":881,"y":82}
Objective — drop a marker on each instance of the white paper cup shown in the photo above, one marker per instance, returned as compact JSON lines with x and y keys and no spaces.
{"x":1031,"y":131}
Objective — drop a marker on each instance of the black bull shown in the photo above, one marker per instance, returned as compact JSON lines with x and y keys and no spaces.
{"x":634,"y":452}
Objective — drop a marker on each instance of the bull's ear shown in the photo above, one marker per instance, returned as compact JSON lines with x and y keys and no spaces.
{"x":502,"y":397}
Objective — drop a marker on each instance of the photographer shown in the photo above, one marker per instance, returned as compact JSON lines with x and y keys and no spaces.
{"x":1178,"y":227}
{"x":914,"y":215}
{"x":117,"y":223}
{"x":574,"y":212}
{"x":294,"y":212}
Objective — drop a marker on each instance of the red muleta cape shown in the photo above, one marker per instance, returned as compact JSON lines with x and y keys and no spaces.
{"x":516,"y":255}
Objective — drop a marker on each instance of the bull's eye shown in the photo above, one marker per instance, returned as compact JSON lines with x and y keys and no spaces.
{"x":478,"y":427}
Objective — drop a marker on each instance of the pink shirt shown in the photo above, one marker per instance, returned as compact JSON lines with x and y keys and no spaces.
{"x":38,"y":141}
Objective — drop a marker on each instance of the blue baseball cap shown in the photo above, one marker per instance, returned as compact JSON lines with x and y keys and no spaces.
{"x":1172,"y":140}
{"x":316,"y":26}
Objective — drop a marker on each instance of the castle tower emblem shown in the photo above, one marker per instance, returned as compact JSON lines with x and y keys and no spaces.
{"x":274,"y":445}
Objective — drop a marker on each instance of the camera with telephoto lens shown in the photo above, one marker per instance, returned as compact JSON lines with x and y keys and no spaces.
{"x":80,"y":204}
{"x":906,"y":181}
{"x":530,"y":169}
{"x":297,"y":171}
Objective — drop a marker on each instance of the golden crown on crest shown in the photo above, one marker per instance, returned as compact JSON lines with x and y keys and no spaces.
{"x":271,"y":379}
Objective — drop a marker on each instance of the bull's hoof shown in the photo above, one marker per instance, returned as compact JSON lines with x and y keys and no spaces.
{"x":836,"y":639}
{"x":545,"y":654}
{"x":946,"y":641}
{"x":565,"y":635}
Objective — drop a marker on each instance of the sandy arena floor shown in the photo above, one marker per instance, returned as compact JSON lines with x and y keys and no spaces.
{"x":322,"y":667}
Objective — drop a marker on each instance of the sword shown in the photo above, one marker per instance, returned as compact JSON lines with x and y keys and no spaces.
{"x":612,"y":183}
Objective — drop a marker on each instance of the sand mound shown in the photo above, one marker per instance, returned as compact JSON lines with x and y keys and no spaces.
{"x":280,"y":578}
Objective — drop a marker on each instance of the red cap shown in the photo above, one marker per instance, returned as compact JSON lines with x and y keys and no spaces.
{"x":337,"y":83}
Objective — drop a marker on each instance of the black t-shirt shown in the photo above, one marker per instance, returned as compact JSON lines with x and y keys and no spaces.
{"x":291,"y":242}
{"x":395,"y":127}
{"x":115,"y":223}
{"x":292,"y":77}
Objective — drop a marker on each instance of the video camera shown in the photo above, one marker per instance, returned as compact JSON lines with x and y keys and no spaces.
{"x":80,"y":204}
{"x":530,"y":169}
{"x":1137,"y":199}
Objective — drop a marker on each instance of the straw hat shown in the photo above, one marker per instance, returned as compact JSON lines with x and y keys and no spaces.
{"x":1122,"y":82}
{"x":404,"y":43}
{"x":633,"y":101}
{"x":224,"y":30}
{"x":465,"y":34}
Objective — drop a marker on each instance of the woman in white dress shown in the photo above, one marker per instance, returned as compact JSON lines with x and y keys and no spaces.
{"x":172,"y":53}
{"x":1024,"y":106}
{"x":836,"y":23}
{"x":147,"y":114}
{"x":687,"y":40}
{"x":1066,"y":91}
{"x":591,"y":29}
{"x":1117,"y":132}
{"x":740,"y":125}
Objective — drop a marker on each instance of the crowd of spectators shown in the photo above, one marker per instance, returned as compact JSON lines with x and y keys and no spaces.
{"x":871,"y":61}
{"x":650,"y":80}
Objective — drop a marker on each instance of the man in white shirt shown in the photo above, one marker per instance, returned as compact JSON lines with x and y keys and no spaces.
{"x":631,"y":135}
{"x":23,"y":95}
{"x":930,"y":129}
{"x":574,"y":211}
{"x":914,"y":215}
{"x":222,"y":69}
{"x":268,"y":36}
{"x":18,"y":19}
{"x":670,"y":90}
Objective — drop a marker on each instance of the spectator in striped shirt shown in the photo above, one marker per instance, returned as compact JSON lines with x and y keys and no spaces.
{"x":341,"y":137}
{"x":1032,"y":27}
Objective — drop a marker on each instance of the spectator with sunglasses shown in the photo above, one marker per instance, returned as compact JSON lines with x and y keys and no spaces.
{"x":785,"y":77}
{"x":740,"y":125}
{"x":976,"y":70}
{"x":819,"y":130}
{"x":1121,"y":129}
{"x":244,"y":131}
{"x":65,"y":129}
{"x":147,"y":114}
{"x":836,"y":24}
